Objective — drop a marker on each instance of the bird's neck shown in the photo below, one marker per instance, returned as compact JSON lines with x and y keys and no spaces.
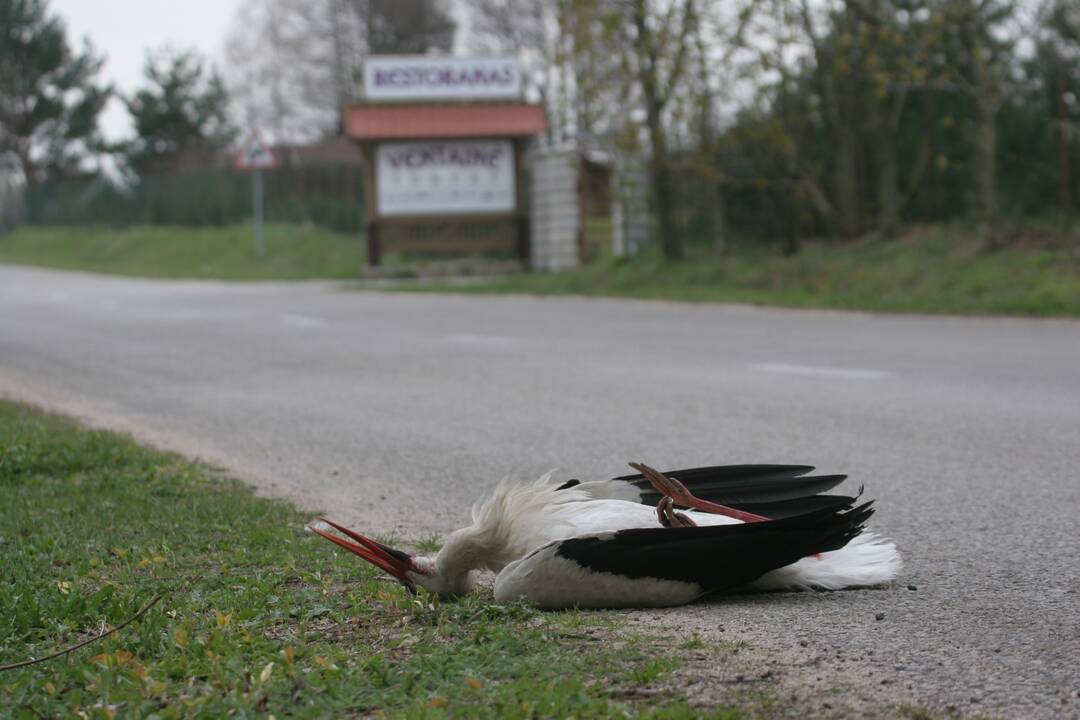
{"x":465,"y":550}
{"x":500,"y":532}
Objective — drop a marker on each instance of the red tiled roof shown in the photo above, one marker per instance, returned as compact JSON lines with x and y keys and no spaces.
{"x":403,"y":122}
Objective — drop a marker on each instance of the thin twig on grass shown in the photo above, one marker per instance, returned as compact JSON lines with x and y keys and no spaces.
{"x":33,"y":661}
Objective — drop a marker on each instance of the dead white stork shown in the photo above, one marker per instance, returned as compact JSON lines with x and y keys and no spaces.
{"x":622,"y":543}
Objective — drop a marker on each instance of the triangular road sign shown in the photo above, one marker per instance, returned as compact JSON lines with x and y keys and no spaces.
{"x":256,"y":154}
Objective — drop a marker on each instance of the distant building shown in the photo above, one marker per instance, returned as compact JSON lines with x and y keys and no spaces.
{"x":596,"y":178}
{"x":194,"y":158}
{"x":338,"y":150}
{"x":335,"y":151}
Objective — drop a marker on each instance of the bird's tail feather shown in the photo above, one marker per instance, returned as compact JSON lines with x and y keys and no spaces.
{"x":867,"y":560}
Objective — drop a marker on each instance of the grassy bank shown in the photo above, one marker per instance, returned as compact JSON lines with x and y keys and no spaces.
{"x":293,"y":252}
{"x":259,"y":617}
{"x":941,"y":269}
{"x":933,"y":270}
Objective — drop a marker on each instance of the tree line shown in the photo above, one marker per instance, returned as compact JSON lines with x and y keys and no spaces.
{"x":52,"y":96}
{"x":838,"y":118}
{"x":184,"y":115}
{"x":766,"y":119}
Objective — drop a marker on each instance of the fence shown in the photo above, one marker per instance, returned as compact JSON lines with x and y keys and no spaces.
{"x":12,"y":199}
{"x":330,"y":196}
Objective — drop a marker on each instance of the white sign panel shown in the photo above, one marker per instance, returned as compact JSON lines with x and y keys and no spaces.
{"x":445,"y":178}
{"x":422,"y":77}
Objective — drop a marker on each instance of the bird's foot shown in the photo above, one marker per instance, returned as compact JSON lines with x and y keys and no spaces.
{"x":677,"y":492}
{"x":670,"y":517}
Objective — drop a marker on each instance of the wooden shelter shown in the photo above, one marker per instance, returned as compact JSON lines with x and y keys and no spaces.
{"x":444,"y":174}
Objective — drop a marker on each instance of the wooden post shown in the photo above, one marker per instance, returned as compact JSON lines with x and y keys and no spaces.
{"x":374,"y":250}
{"x":521,"y":201}
{"x":583,"y":198}
{"x":371,"y":223}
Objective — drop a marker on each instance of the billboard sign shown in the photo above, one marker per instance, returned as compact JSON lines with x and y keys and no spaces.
{"x":445,"y":178}
{"x":422,"y":77}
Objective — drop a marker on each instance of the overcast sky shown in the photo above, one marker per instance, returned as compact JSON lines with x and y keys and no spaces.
{"x":126,"y":29}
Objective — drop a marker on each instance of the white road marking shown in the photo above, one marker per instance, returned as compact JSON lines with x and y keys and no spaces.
{"x":304,"y":321}
{"x":819,"y":371}
{"x":490,"y":341}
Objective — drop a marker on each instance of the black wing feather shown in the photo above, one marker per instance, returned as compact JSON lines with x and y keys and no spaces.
{"x":790,"y":508}
{"x":739,"y":485}
{"x":719,"y":557}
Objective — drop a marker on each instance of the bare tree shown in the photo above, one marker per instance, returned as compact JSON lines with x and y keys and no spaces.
{"x":615,"y":74}
{"x":839,"y":83}
{"x":719,"y":37}
{"x":284,"y":66}
{"x":573,"y":59}
{"x":293,"y":64}
{"x":900,"y":41}
{"x":782,"y":101}
{"x":983,"y":74}
{"x":661,"y":40}
{"x":1058,"y":46}
{"x":986,"y":86}
{"x":529,"y":30}
{"x":519,"y":27}
{"x":406,"y":26}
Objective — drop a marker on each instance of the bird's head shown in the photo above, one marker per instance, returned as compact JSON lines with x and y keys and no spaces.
{"x":412,"y":571}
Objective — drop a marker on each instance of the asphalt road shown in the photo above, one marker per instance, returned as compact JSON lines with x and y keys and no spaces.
{"x":395,"y":411}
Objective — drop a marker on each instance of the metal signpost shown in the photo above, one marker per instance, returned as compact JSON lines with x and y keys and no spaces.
{"x":256,"y":157}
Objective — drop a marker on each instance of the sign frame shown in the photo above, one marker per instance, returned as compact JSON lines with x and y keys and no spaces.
{"x":442,"y":195}
{"x":431,"y":78}
{"x":373,"y":221}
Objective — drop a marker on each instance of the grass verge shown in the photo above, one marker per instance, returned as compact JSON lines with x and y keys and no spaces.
{"x":930,"y":270}
{"x":293,"y":252}
{"x":935,"y":269}
{"x":260,"y":617}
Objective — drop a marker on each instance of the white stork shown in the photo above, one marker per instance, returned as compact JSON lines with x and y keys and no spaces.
{"x":603,"y":544}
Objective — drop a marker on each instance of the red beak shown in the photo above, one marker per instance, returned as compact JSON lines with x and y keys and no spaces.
{"x":394,"y":562}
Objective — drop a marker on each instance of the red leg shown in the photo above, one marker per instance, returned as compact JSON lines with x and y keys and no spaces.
{"x":672,"y":488}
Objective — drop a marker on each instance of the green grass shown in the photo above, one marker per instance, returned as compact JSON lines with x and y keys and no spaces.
{"x":293,"y":252}
{"x":935,"y":270}
{"x":260,"y":617}
{"x":939,"y":269}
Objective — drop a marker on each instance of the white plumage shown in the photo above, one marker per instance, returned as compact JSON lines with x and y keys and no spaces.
{"x":595,"y":544}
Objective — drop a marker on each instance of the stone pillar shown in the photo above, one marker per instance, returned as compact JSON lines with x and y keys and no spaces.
{"x":557,"y":232}
{"x":629,"y":206}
